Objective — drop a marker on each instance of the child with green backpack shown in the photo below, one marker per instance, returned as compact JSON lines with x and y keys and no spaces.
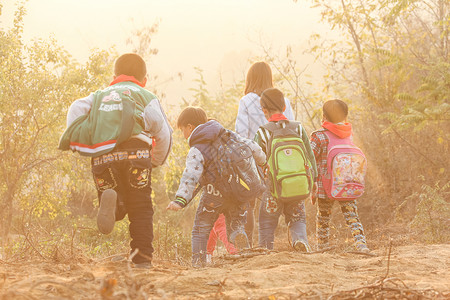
{"x":291,"y":172}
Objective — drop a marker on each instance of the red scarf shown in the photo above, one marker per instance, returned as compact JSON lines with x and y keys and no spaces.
{"x":342,"y":130}
{"x":277,"y":117}
{"x":122,"y":78}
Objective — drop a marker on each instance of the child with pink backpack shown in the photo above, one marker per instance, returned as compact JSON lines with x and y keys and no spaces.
{"x":341,"y":167}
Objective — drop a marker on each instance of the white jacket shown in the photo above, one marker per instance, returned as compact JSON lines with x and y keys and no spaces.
{"x":250,"y":115}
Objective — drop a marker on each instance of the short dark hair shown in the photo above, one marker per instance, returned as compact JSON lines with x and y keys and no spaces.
{"x":272,"y":99}
{"x":131,"y":64}
{"x":192,"y":115}
{"x":335,"y":110}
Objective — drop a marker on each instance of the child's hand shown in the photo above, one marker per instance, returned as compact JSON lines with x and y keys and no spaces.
{"x":173,"y":206}
{"x":266,"y":169}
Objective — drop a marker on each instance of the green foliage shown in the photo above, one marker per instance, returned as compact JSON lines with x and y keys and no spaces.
{"x":390,"y":63}
{"x":432,"y":217}
{"x":62,"y":240}
{"x":37,"y":84}
{"x":171,"y":243}
{"x":176,"y":163}
{"x":290,"y":77}
{"x":94,"y":244}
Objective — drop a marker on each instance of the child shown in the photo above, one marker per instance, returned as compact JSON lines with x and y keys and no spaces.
{"x":273,"y":106}
{"x":115,"y":127}
{"x":219,"y":231}
{"x":250,"y":116}
{"x":201,"y":168}
{"x":334,"y":120}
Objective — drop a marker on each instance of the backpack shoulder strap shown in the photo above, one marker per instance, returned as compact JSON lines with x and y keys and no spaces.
{"x":290,"y":128}
{"x":294,"y":125}
{"x":271,"y":126}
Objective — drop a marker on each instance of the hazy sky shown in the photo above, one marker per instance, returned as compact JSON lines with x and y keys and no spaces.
{"x":217,"y":36}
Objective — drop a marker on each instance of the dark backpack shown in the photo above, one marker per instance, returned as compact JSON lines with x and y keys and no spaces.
{"x":238,"y":172}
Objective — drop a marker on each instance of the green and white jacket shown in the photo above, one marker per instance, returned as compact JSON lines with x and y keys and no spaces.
{"x":104,"y":119}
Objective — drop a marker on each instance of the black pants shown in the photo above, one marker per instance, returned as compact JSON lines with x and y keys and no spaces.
{"x":127,"y":170}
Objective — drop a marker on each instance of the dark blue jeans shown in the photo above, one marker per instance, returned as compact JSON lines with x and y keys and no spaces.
{"x":269,"y":213}
{"x":209,"y":209}
{"x":127,"y":170}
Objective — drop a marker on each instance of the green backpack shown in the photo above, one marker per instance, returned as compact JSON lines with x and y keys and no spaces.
{"x":290,"y":171}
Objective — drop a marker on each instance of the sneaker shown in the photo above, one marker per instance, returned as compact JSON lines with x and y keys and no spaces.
{"x":240,"y":241}
{"x":301,"y":246}
{"x":106,"y":216}
{"x":208,"y":259}
{"x":198,"y":264}
{"x":145,"y":265}
{"x":362,"y":248}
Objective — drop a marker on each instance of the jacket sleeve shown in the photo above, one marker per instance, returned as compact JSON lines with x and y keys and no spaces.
{"x":242,"y":120}
{"x":157,"y":125}
{"x":288,"y":112}
{"x":315,"y":145}
{"x":310,"y":152}
{"x":190,"y":178}
{"x":79,"y":108}
{"x":258,"y":153}
{"x":261,"y":141}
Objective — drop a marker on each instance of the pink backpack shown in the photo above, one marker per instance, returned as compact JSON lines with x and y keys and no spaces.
{"x":346,"y":169}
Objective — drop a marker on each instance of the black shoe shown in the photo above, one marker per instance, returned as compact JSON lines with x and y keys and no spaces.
{"x":106,"y":216}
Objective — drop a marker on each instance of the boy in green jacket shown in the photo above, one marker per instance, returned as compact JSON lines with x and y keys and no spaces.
{"x":124,"y":130}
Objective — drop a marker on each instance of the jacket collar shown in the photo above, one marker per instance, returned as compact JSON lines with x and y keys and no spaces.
{"x":122,"y":78}
{"x":277,"y":117}
{"x":342,"y":130}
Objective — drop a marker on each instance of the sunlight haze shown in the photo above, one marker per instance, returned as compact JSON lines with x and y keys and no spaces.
{"x":217,"y":36}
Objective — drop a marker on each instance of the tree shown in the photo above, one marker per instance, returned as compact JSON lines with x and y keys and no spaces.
{"x":391,"y":64}
{"x":37,"y":84}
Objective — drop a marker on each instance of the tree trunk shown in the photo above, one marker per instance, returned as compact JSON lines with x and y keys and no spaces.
{"x":355,"y":38}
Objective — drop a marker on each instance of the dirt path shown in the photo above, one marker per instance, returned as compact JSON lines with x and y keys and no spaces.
{"x":413,"y":270}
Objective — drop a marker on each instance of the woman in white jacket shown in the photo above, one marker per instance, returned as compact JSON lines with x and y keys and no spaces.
{"x":250,"y":115}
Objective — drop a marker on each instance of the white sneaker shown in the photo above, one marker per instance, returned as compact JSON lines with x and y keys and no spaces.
{"x":208,"y":259}
{"x":301,"y":247}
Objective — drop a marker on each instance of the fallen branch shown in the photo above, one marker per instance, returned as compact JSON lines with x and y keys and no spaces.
{"x":379,"y":290}
{"x":362,"y":253}
{"x":111,"y":257}
{"x":63,"y":284}
{"x":321,"y":250}
{"x":389,"y":260}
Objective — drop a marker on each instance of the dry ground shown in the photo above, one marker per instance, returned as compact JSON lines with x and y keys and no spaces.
{"x":414,"y":272}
